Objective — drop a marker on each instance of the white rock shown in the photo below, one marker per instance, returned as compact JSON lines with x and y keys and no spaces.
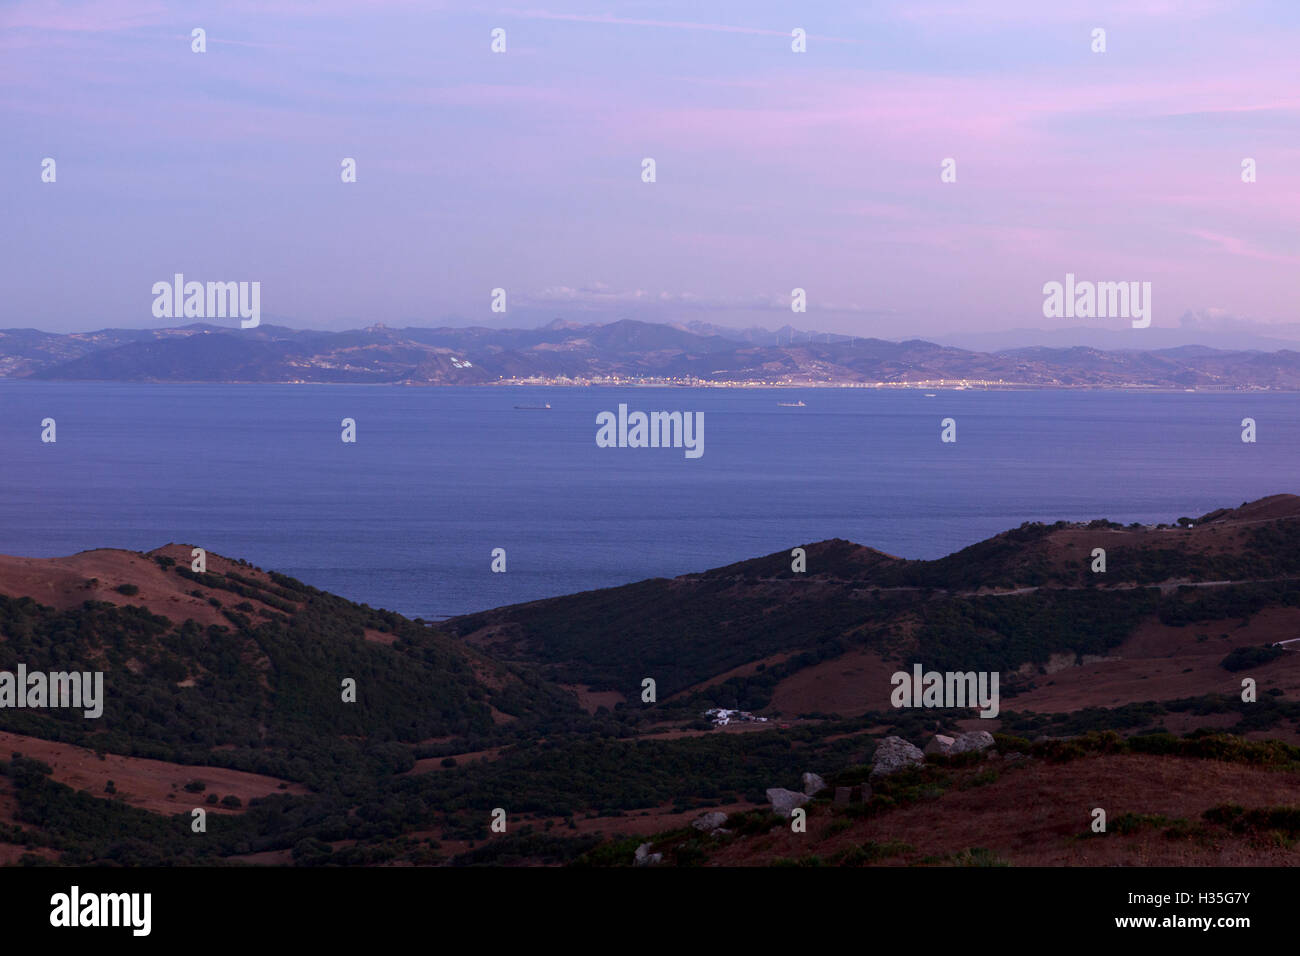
{"x":939,"y":744}
{"x":644,"y":857}
{"x":813,"y":784}
{"x":783,"y":801}
{"x":894,"y":754}
{"x":710,"y":821}
{"x":979,"y":740}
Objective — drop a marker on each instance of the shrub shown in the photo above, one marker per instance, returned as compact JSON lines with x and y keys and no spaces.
{"x":311,"y":852}
{"x":837,"y":826}
{"x":870,"y":852}
{"x":978,"y":856}
{"x":1127,"y":823}
{"x":1242,"y":658}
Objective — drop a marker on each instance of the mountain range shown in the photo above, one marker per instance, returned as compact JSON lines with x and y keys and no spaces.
{"x":626,"y":351}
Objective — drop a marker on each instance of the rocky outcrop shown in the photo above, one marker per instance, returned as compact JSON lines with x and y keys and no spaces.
{"x":979,"y":740}
{"x":939,"y":744}
{"x":813,"y":784}
{"x":894,"y":754}
{"x":644,"y":857}
{"x":710,"y":821}
{"x":783,"y":801}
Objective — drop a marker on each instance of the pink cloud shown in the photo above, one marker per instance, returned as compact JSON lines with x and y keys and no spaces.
{"x":91,"y":16}
{"x":604,"y":18}
{"x":1234,"y":245}
{"x":963,"y":15}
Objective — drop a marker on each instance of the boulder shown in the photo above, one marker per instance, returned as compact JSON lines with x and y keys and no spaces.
{"x":979,"y":740}
{"x":894,"y":754}
{"x":644,"y":857}
{"x":939,"y":744}
{"x":783,"y":801}
{"x":710,"y":821}
{"x":843,"y":796}
{"x":813,"y":784}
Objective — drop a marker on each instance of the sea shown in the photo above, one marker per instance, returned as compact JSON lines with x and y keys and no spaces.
{"x":408,"y":516}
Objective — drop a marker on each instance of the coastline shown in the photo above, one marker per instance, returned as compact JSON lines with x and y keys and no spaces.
{"x":944,"y":385}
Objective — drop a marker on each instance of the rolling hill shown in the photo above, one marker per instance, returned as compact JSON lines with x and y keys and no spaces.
{"x":224,"y":690}
{"x":1018,"y":602}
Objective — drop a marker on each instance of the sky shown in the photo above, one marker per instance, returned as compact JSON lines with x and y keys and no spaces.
{"x":774,"y":169}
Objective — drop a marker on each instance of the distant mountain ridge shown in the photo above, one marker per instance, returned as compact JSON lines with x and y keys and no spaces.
{"x":624,"y":351}
{"x":1252,"y":338}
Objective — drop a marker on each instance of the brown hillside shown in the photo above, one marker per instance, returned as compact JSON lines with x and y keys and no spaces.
{"x":67,"y":582}
{"x":154,"y":785}
{"x":1038,"y":814}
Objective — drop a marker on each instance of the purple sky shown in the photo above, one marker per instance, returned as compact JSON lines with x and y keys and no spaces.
{"x":775,"y":169}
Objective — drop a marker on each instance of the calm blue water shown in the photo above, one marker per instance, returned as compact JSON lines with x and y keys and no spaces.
{"x":408,"y":516}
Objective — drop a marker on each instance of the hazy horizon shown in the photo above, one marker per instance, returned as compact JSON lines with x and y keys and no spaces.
{"x":1241,"y":337}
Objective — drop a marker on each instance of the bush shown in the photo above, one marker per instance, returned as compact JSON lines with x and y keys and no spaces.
{"x":1242,"y":658}
{"x":1224,"y":813}
{"x":311,"y":852}
{"x":752,"y":822}
{"x":871,"y":852}
{"x":130,"y":590}
{"x":1008,"y":743}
